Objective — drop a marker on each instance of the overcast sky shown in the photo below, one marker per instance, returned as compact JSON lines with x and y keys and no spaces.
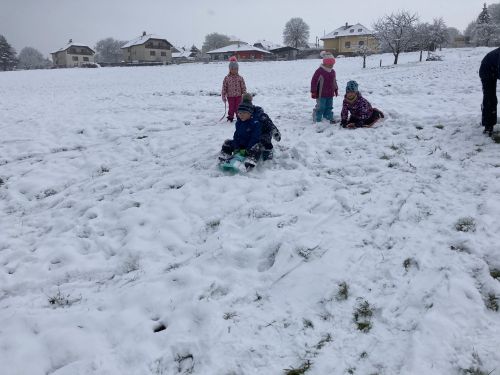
{"x":47,"y":25}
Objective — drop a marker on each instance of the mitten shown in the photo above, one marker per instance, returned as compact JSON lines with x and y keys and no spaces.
{"x":276,"y":135}
{"x":343,"y":123}
{"x":314,"y":95}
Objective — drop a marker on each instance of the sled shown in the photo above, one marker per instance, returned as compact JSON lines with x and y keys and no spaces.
{"x":234,"y":165}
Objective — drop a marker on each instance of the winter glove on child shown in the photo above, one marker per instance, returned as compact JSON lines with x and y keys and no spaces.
{"x":277,"y":135}
{"x":343,"y":123}
{"x":314,"y":95}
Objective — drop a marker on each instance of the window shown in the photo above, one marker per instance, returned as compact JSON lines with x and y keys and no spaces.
{"x":335,"y":33}
{"x":75,"y":58}
{"x":164,"y":54}
{"x":347,"y":44}
{"x":360,"y":30}
{"x":152,"y":53}
{"x":351,"y":31}
{"x":361,"y":43}
{"x":85,"y":58}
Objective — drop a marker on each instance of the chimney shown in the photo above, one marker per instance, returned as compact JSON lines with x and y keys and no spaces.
{"x":346,"y":25}
{"x":143,"y":33}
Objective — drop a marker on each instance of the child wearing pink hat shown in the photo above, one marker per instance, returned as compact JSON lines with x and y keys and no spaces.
{"x":324,"y":88}
{"x":233,"y":87}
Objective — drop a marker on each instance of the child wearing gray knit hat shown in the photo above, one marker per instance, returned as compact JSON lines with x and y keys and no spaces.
{"x":233,"y":87}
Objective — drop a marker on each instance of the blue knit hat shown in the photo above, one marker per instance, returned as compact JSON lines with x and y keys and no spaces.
{"x":352,"y":86}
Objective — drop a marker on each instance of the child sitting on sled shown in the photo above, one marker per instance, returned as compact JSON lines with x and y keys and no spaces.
{"x":362,"y":113}
{"x":246,"y":137}
{"x":269,"y":130}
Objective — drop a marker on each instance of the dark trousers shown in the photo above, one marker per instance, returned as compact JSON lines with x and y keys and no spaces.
{"x":376,"y":114}
{"x":490,"y":101}
{"x":228,"y":148}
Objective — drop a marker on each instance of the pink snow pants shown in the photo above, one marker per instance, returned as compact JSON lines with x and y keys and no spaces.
{"x":234,"y":102}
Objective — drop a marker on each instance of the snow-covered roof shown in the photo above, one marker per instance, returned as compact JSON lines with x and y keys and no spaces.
{"x":237,"y":48}
{"x":143,"y":39}
{"x":267,"y":44}
{"x":182,"y":54}
{"x":72,"y":44}
{"x":346,"y":30}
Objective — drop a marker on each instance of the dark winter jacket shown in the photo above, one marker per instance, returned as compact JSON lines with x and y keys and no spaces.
{"x":247,"y":133}
{"x":490,"y":65}
{"x":267,"y":126}
{"x":324,"y":82}
{"x":360,"y":108}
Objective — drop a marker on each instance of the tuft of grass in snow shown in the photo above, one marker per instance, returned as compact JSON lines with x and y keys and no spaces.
{"x":300,"y":370}
{"x":409,"y":263}
{"x":439,"y":126}
{"x":496,"y":138}
{"x":492,"y":302}
{"x":324,"y":340}
{"x":465,"y":224}
{"x":343,"y":292}
{"x":185,"y":363}
{"x":495,"y":273}
{"x":229,"y":315}
{"x":307,"y":323}
{"x":60,"y":300}
{"x":362,"y":316}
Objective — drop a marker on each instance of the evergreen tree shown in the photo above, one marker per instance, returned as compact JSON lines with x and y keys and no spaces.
{"x":486,"y":32}
{"x":7,"y":55}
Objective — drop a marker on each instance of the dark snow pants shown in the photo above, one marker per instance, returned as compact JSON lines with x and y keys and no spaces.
{"x":490,"y":101}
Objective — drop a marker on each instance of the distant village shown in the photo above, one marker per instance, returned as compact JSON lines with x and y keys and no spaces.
{"x":150,"y":49}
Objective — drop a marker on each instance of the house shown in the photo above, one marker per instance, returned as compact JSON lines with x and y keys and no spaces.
{"x":182,"y":56}
{"x":147,"y":48}
{"x":350,"y":40}
{"x":279,"y":52}
{"x":72,"y":55}
{"x":241,"y":51}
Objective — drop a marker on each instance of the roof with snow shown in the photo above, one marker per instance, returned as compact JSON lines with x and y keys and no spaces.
{"x":143,"y":39}
{"x":184,"y":53}
{"x":237,"y":48}
{"x":73,"y":44}
{"x":347,"y":30}
{"x":267,"y":44}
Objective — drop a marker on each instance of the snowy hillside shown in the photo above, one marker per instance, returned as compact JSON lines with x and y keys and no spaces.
{"x":123,"y":250}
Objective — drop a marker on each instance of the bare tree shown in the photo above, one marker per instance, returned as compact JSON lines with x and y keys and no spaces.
{"x":296,"y":33}
{"x":438,"y":33}
{"x":214,"y":41}
{"x":422,"y":37}
{"x":452,"y":33}
{"x":109,"y":50}
{"x":31,"y":58}
{"x":396,"y":31}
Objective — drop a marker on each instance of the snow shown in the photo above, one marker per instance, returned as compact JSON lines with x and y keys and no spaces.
{"x":237,"y":48}
{"x":72,"y":44}
{"x":142,"y":39}
{"x":116,"y":223}
{"x":346,"y":31}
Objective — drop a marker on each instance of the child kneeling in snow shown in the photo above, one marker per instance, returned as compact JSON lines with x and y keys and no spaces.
{"x":246,"y":137}
{"x":269,"y":130}
{"x":362,"y":113}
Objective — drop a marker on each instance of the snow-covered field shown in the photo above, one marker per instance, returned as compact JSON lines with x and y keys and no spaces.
{"x":123,"y":249}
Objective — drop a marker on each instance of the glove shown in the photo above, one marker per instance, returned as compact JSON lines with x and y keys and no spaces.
{"x":277,"y":135}
{"x":336,"y":92}
{"x":224,"y":99}
{"x":314,"y":95}
{"x":343,"y":123}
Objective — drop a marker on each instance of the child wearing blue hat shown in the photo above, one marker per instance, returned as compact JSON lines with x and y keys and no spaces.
{"x":362,"y":113}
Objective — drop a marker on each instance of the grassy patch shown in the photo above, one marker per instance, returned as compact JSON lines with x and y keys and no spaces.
{"x":300,"y":370}
{"x":362,"y":316}
{"x":409,"y":263}
{"x":465,"y":224}
{"x":343,"y":292}
{"x":492,"y":302}
{"x":439,"y":126}
{"x":495,"y":273}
